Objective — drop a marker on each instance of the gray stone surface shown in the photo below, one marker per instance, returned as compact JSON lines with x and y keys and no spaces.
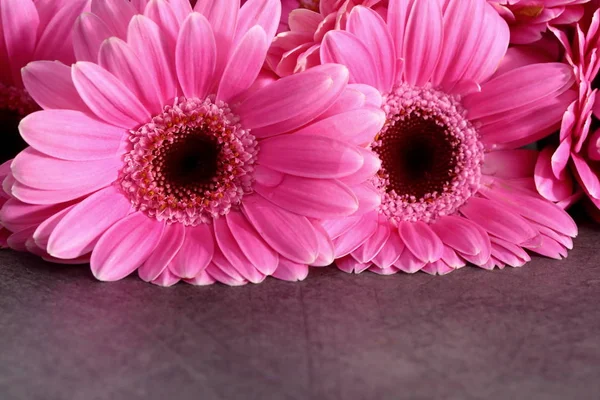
{"x":529,"y":333}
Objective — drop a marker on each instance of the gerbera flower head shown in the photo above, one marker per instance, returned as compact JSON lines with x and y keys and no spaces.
{"x":455,"y":187}
{"x":177,"y":156}
{"x":529,"y":19}
{"x":298,"y":49}
{"x":29,"y":30}
{"x":570,"y":169}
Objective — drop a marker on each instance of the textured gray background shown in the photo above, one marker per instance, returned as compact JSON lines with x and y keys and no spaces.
{"x":529,"y":333}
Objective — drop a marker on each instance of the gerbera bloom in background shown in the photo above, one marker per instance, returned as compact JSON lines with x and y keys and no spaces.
{"x":171,"y":156}
{"x":576,"y":158}
{"x":529,"y":19}
{"x":454,"y":185}
{"x":29,"y":30}
{"x":298,"y":49}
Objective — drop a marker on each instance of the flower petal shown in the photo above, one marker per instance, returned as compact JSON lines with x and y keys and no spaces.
{"x":264,"y":13}
{"x":166,"y":250}
{"x":108,"y":97}
{"x":292,"y":235}
{"x":310,"y":156}
{"x":77,"y":233}
{"x":19,"y":22}
{"x":359,"y":234}
{"x":88,"y":34}
{"x":232,"y":252}
{"x":421,"y":240}
{"x":125,"y":247}
{"x":195,"y":253}
{"x":196,"y":56}
{"x":290,"y":271}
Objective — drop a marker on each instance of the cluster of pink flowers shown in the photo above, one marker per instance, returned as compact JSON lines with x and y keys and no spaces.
{"x":228,"y":141}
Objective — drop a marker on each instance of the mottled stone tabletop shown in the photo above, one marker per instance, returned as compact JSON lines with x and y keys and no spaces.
{"x":529,"y":333}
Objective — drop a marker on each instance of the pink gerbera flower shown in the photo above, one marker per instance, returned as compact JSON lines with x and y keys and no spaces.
{"x":529,"y":19}
{"x":29,"y":30}
{"x":454,"y":185}
{"x":576,"y":159}
{"x":173,"y":154}
{"x":299,"y":48}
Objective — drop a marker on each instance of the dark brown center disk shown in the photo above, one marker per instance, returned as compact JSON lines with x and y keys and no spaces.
{"x":189,"y":163}
{"x":11,"y":142}
{"x":418,"y":156}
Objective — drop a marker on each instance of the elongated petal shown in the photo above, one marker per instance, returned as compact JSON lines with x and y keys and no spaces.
{"x":344,"y":48}
{"x":19,"y":21}
{"x":125,"y":247}
{"x":258,"y":252}
{"x":49,"y":83}
{"x":233,"y":253}
{"x":148,"y":42}
{"x":290,"y":234}
{"x":166,"y":250}
{"x":359,"y":234}
{"x":461,"y":235}
{"x":310,"y":156}
{"x":294,"y":100}
{"x":108,"y":97}
{"x":367,"y":252}
{"x":290,"y":271}
{"x":244,"y":64}
{"x":89,"y":32}
{"x":196,"y":56}
{"x":264,"y":13}
{"x":390,"y":252}
{"x":421,"y":240}
{"x":119,"y":59}
{"x":314,"y":198}
{"x":40,"y":171}
{"x":195,"y":253}
{"x":77,"y":233}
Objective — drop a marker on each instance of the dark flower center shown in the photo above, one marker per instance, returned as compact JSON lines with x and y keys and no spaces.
{"x":418,"y":156}
{"x":12,"y":143}
{"x":190,"y":162}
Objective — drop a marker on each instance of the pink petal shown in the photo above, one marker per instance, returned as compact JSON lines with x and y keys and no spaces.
{"x":181,"y":9}
{"x":367,"y":252}
{"x":166,"y":250}
{"x":222,"y":16}
{"x":18,"y":240}
{"x":371,"y":165}
{"x":195,"y":253}
{"x":498,"y":220}
{"x":510,"y":164}
{"x":360,"y":233}
{"x":339,"y":226}
{"x":326,"y":249}
{"x":17,"y":216}
{"x":125,"y":247}
{"x":19,"y":21}
{"x":315,"y":198}
{"x":38,"y":196}
{"x":349,"y":265}
{"x":310,"y":156}
{"x":49,"y":83}
{"x":462,"y":235}
{"x":344,"y":48}
{"x":219,"y":275}
{"x":588,"y":176}
{"x":391,"y":251}
{"x":118,"y":58}
{"x":409,"y":263}
{"x":77,"y":233}
{"x":546,"y":182}
{"x":108,"y":97}
{"x":161,"y":12}
{"x":225,"y":266}
{"x":290,"y":271}
{"x":370,"y":28}
{"x":396,"y":19}
{"x":40,"y":171}
{"x":244,"y":64}
{"x":148,"y":42}
{"x":264,"y":13}
{"x":293,"y":101}
{"x":196,"y":56}
{"x":355,"y":126}
{"x":509,"y":253}
{"x":421,"y":240}
{"x":369,"y":198}
{"x":41,"y":236}
{"x":422,"y":42}
{"x":233,"y":253}
{"x":88,"y":34}
{"x":116,"y":14}
{"x":292,"y":235}
{"x":80,"y":138}
{"x":202,"y":279}
{"x":532,"y":84}
{"x":55,"y":41}
{"x":166,"y":279}
{"x":258,"y":252}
